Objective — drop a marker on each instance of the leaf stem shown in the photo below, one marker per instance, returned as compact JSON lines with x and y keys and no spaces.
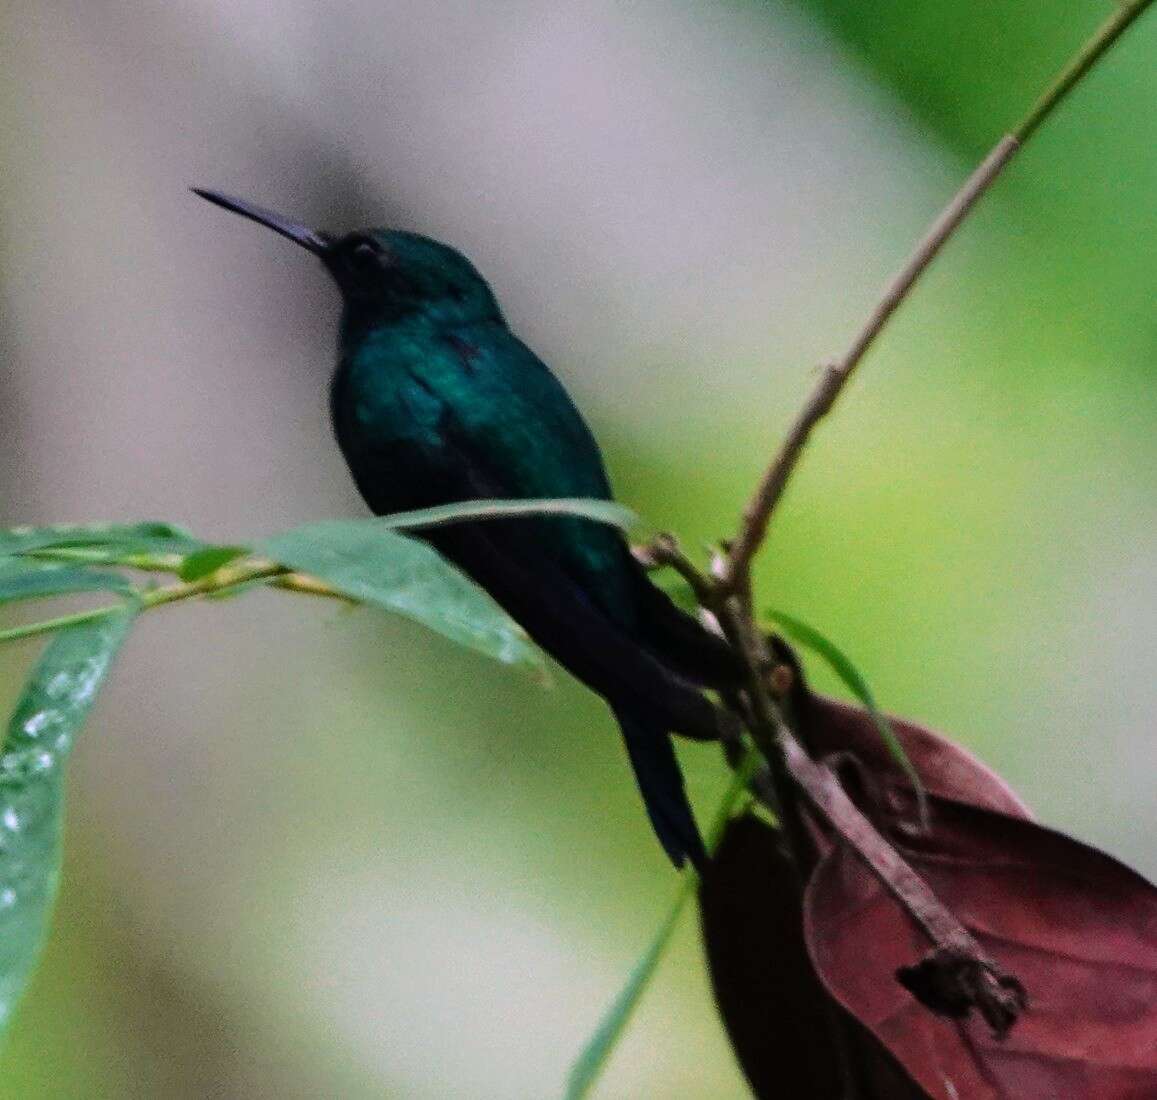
{"x":223,"y":580}
{"x":220,"y":581}
{"x":91,"y":555}
{"x":48,"y":626}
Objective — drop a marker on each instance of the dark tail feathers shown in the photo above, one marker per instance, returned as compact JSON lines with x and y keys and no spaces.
{"x":680,"y":640}
{"x":661,"y":785}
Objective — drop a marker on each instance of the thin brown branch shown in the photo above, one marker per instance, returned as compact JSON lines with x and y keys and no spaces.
{"x":758,"y":512}
{"x":957,"y":973}
{"x":664,"y":550}
{"x":1071,"y":75}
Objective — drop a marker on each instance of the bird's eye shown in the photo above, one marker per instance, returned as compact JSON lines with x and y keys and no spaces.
{"x":365,"y":257}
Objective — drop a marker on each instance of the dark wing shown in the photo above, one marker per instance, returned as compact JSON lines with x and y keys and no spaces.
{"x":516,"y":433}
{"x":481,"y":417}
{"x":505,"y":558}
{"x":525,"y":438}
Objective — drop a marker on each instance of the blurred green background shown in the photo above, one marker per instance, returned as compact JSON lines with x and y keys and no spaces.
{"x":322,"y":854}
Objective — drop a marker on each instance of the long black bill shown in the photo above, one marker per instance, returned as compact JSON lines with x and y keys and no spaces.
{"x":299,"y":234}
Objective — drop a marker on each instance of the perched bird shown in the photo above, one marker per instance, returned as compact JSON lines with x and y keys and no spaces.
{"x":435,"y":400}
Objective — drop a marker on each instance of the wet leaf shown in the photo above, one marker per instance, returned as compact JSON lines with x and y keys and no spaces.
{"x":21,"y":579}
{"x":369,"y":563}
{"x":53,"y":706}
{"x":128,"y":538}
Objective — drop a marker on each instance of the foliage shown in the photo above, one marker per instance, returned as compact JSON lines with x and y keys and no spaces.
{"x":332,"y":558}
{"x":854,"y":681}
{"x":614,"y":1022}
{"x":55,"y":702}
{"x":370,"y":562}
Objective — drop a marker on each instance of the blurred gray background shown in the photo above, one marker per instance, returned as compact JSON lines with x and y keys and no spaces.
{"x":316,"y":853}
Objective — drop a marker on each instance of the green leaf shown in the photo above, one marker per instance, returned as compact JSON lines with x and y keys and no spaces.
{"x":28,"y":580}
{"x":842,"y":666}
{"x":593,"y":1058}
{"x":590,"y":1063}
{"x":368,"y":562}
{"x":601,"y":511}
{"x":53,"y":706}
{"x":203,"y":562}
{"x":133,"y":537}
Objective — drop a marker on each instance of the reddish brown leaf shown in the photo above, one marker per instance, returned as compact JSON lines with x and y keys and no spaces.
{"x":834,"y":728}
{"x":782,"y":1024}
{"x":1076,"y":927}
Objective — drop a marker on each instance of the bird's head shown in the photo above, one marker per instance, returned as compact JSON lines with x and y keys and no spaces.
{"x":385,"y":275}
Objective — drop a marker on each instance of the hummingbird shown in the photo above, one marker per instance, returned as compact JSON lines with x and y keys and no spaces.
{"x":435,"y":400}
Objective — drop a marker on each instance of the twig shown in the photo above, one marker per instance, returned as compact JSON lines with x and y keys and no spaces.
{"x":957,"y":975}
{"x":758,"y":512}
{"x":1088,"y":55}
{"x":275,"y":575}
{"x":220,"y":582}
{"x":664,"y":549}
